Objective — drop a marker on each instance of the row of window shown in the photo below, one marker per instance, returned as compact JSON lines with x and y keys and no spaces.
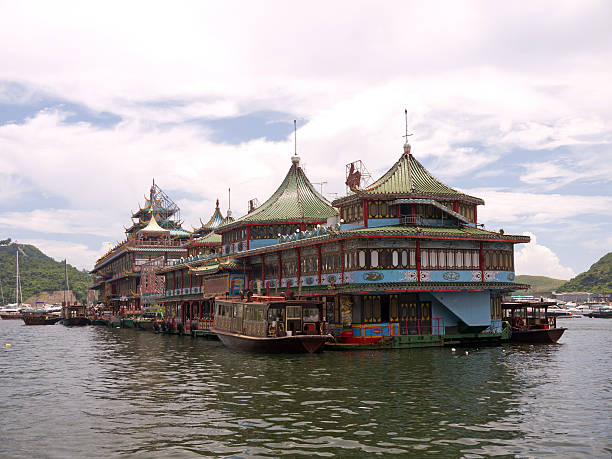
{"x":395,"y":259}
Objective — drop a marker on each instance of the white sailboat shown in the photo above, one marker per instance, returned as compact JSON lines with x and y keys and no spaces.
{"x":13,"y":311}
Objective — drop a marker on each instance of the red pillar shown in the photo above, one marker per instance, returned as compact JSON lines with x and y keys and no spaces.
{"x":482,"y":262}
{"x":456,"y":206}
{"x":365,"y":213}
{"x":263,"y":270}
{"x":418,"y":260}
{"x":280,"y":269}
{"x":248,"y":237}
{"x":299,"y":266}
{"x":342,"y":261}
{"x":302,"y":226}
{"x":319,"y":262}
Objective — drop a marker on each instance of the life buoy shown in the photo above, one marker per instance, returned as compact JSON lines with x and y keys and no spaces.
{"x":271,"y":330}
{"x":519,"y":323}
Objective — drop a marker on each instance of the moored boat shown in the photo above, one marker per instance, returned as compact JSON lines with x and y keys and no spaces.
{"x":74,"y":315}
{"x":530,"y":322}
{"x":10,"y":313}
{"x":270,"y":325}
{"x":40,"y":318}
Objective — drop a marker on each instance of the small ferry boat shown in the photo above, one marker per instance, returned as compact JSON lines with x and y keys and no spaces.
{"x":270,"y":324}
{"x":530,"y":322}
{"x":148,"y":320}
{"x":74,"y":315}
{"x":40,"y":316}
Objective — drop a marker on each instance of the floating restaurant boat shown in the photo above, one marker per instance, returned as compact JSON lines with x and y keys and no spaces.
{"x":270,"y":325}
{"x":399,"y":262}
{"x":530,"y":322}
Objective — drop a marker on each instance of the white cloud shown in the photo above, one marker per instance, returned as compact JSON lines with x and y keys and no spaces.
{"x":478,"y":79}
{"x":519,"y":208}
{"x":538,"y":260}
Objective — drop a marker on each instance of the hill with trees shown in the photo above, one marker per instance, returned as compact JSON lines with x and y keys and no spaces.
{"x":598,"y":279}
{"x":540,"y":284}
{"x":38,"y":272}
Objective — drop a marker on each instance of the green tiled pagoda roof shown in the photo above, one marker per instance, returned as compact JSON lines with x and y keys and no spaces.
{"x":210,"y":238}
{"x":295,"y":200}
{"x":408,"y":177}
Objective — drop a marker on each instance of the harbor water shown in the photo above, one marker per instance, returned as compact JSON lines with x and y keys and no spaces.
{"x":100,"y":392}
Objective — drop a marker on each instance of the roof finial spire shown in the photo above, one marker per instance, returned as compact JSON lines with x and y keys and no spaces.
{"x":229,"y":202}
{"x":295,"y":159}
{"x":406,"y":145}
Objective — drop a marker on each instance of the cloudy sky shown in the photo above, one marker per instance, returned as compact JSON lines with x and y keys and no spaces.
{"x":509,"y":103}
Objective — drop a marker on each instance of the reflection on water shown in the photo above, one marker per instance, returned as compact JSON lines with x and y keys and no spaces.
{"x":102,"y":392}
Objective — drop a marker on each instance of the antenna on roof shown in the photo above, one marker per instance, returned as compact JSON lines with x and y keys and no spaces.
{"x":295,"y":159}
{"x":229,"y":202}
{"x":406,"y":145}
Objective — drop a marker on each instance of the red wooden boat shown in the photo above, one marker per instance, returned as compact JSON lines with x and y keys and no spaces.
{"x":270,"y":325}
{"x":530,"y":322}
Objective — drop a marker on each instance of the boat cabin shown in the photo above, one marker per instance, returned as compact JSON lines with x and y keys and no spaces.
{"x":528,"y":315}
{"x":269,"y":317}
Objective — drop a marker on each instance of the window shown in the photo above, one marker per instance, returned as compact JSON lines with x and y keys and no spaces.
{"x":424,"y":259}
{"x":362,"y":259}
{"x":433,"y":259}
{"x":441,"y":258}
{"x":475,"y":258}
{"x":394,"y":258}
{"x":404,"y":258}
{"x":413,"y":258}
{"x":450,"y":259}
{"x":374,"y":259}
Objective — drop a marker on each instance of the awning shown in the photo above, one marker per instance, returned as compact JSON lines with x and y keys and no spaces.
{"x":434,"y":203}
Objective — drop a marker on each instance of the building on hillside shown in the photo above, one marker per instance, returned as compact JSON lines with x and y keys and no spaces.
{"x":154,"y":239}
{"x":55,"y":297}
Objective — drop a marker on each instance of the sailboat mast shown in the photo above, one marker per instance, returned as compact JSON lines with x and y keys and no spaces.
{"x":17,"y":277}
{"x":1,"y":292}
{"x":66,"y":278}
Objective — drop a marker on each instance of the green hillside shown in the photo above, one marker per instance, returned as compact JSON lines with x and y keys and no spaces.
{"x":540,"y":284}
{"x":598,"y":279}
{"x":38,"y":272}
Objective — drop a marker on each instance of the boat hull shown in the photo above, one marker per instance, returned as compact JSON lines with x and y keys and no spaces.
{"x":10,"y":316}
{"x":76,"y":321}
{"x":300,"y":344}
{"x":539,"y":336}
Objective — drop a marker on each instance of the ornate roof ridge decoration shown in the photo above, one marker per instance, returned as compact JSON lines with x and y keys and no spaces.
{"x":408,"y":177}
{"x":295,"y":200}
{"x":214,"y":221}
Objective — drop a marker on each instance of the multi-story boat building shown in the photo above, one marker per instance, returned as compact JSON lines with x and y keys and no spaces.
{"x":401,"y":262}
{"x":124,"y":277}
